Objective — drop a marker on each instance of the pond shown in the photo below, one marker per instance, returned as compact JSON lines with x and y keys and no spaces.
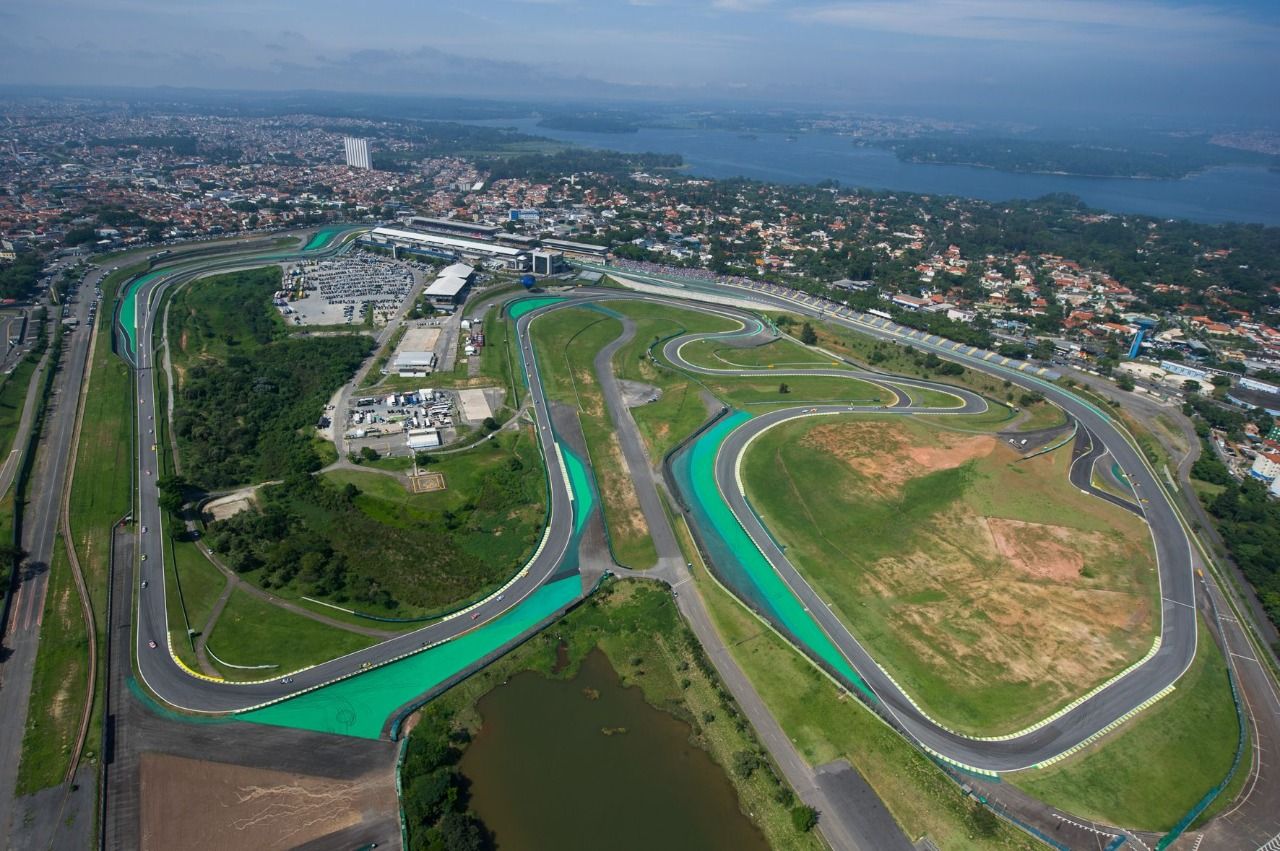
{"x":587,"y":763}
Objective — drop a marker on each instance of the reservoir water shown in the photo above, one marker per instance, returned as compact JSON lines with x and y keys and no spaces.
{"x":585,"y":763}
{"x":1234,"y":193}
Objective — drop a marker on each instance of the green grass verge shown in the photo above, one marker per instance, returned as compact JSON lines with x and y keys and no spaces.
{"x":715,"y":354}
{"x":682,"y":407}
{"x":759,"y":392}
{"x":909,"y":563}
{"x":58,"y":683}
{"x":638,"y":627}
{"x":566,"y":342}
{"x":825,"y":724}
{"x":1151,"y":772}
{"x":13,"y":397}
{"x":253,"y":632}
{"x":101,"y":489}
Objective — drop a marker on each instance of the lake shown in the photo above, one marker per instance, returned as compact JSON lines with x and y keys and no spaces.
{"x":1234,"y":193}
{"x":585,"y":763}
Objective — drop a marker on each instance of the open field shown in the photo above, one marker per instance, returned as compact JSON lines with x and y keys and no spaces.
{"x":906,"y":361}
{"x":826,"y":724}
{"x":201,"y":583}
{"x":58,"y":682}
{"x":244,"y":807}
{"x":760,"y":392}
{"x":988,"y":586}
{"x":637,"y":626}
{"x":567,"y":342}
{"x":1151,"y":772}
{"x":716,"y":354}
{"x":664,"y":423}
{"x":253,"y":632}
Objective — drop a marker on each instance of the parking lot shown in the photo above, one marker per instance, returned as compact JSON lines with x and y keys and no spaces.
{"x":339,"y":291}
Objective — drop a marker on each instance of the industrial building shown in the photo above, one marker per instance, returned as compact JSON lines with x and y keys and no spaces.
{"x":357,"y":152}
{"x":450,"y":289}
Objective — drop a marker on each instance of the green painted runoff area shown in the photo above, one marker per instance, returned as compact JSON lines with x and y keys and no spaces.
{"x":527,"y":305}
{"x":129,"y":308}
{"x":700,"y":484}
{"x":321,"y":238}
{"x":359,"y":706}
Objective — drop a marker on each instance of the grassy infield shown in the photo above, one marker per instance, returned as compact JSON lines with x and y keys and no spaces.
{"x":1190,"y":735}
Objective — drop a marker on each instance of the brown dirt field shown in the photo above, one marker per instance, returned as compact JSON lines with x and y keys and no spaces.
{"x":1051,"y":552}
{"x":888,"y":456}
{"x":971,"y":599}
{"x":197,"y":805}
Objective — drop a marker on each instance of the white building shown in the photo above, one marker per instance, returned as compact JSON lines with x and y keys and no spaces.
{"x":424,"y":438}
{"x":357,"y":151}
{"x":450,"y":247}
{"x":1266,"y":466}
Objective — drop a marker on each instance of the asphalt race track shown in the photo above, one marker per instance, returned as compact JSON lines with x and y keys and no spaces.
{"x":1067,"y":730}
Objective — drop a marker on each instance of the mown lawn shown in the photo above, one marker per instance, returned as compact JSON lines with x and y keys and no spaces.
{"x":566,"y":342}
{"x":58,"y":683}
{"x":1149,"y":774}
{"x":253,"y":632}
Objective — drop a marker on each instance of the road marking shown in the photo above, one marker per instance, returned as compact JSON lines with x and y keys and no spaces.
{"x":1178,"y":602}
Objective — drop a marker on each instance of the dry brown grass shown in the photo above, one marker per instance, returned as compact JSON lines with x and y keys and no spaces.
{"x":194,"y":805}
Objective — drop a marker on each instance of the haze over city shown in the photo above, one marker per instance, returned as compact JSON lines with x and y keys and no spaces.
{"x":1004,"y":59}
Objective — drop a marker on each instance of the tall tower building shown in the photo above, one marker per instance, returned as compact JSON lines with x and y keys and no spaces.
{"x":357,"y":152}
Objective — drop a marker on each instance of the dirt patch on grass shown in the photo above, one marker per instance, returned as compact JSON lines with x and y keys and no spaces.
{"x":1003,"y":601}
{"x":620,"y":493}
{"x":195,"y":804}
{"x":887,"y":456}
{"x":231,"y":504}
{"x":1051,"y":552}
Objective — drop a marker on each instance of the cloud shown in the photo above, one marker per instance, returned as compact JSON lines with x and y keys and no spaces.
{"x":1044,"y":21}
{"x":740,"y":5}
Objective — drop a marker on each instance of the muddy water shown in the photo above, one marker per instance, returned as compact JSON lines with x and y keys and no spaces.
{"x":586,"y":764}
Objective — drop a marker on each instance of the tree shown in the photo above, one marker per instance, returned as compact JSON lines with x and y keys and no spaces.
{"x":804,"y":818}
{"x":368,"y":453}
{"x":172,"y":493}
{"x":1190,"y":387}
{"x":783,"y":388}
{"x":423,"y":459}
{"x":807,"y":335}
{"x":1125,"y":382}
{"x":491,"y":425}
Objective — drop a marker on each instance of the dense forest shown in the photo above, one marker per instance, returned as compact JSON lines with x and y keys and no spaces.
{"x":249,"y":394}
{"x":335,"y":542}
{"x":18,"y":279}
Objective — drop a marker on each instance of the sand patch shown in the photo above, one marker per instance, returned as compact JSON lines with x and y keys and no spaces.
{"x":231,"y":504}
{"x":203,"y":806}
{"x":888,"y":456}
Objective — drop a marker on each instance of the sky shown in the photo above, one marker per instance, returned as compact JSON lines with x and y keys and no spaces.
{"x":1209,"y":61}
